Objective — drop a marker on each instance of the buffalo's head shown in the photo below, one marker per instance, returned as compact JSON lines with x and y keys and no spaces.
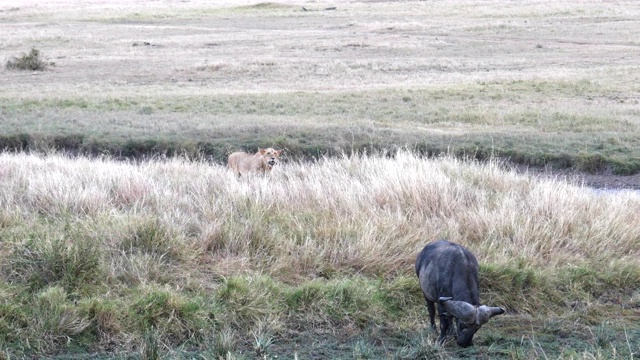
{"x":469,"y":318}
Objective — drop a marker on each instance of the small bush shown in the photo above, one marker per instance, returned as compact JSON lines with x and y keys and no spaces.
{"x":32,"y":61}
{"x":16,"y":143}
{"x":590,"y":163}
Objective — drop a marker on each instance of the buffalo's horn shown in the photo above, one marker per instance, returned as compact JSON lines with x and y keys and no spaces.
{"x":487,"y":312}
{"x":460,"y":310}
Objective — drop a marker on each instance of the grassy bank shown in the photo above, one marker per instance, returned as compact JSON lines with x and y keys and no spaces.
{"x":311,"y":125}
{"x":181,"y":259}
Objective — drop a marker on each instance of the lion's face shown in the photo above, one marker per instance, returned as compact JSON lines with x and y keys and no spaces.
{"x":270,"y":156}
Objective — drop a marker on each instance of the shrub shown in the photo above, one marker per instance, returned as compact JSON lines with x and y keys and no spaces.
{"x":32,"y":61}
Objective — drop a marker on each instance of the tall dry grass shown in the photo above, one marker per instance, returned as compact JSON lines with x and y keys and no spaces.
{"x":369,"y":214}
{"x":182,"y":247}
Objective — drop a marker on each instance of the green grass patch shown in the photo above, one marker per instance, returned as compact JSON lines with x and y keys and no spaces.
{"x":373,"y":324}
{"x":136,"y":293}
{"x":312,"y":143}
{"x":405,"y":105}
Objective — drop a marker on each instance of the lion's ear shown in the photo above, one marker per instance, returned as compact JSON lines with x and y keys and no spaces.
{"x":262,"y":151}
{"x":278,"y":152}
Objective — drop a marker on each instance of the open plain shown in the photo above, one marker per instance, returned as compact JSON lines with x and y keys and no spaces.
{"x":540,"y":83}
{"x":122,"y":235}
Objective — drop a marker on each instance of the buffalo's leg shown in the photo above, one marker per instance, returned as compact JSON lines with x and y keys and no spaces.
{"x":431,"y":306}
{"x":445,"y":323}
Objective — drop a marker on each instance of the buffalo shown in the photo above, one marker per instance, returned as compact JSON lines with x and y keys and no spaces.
{"x":448,"y":275}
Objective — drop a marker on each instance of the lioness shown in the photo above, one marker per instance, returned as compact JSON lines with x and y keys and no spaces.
{"x":261,"y":162}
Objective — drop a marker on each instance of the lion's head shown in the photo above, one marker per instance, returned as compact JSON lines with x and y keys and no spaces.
{"x":270,"y":156}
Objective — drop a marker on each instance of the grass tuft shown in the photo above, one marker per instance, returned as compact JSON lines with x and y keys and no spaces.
{"x":173,"y":317}
{"x":248,"y":299}
{"x":151,"y":237}
{"x":68,"y":262}
{"x":221,"y":345}
{"x":363,"y":350}
{"x":263,"y":340}
{"x":56,"y":320}
{"x":150,"y":347}
{"x":421,"y":345}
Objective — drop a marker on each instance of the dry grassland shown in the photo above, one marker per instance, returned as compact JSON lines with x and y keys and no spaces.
{"x":539,"y":82}
{"x":196,"y":48}
{"x":98,"y":254}
{"x":178,"y":258}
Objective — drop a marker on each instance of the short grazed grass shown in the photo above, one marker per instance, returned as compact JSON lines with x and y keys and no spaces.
{"x":175,"y":257}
